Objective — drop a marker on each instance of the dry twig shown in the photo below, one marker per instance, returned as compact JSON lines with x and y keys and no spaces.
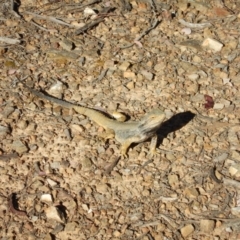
{"x":12,"y":208}
{"x":194,"y":25}
{"x":13,"y":11}
{"x":9,"y":40}
{"x":95,"y":22}
{"x":52,"y":19}
{"x":101,"y":75}
{"x":145,"y":32}
{"x":79,"y":8}
{"x":37,"y":25}
{"x":109,"y":169}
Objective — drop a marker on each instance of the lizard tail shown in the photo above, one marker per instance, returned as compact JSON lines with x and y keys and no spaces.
{"x":49,"y":98}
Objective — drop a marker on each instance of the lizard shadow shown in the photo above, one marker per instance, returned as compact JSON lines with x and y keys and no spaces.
{"x":173,"y":124}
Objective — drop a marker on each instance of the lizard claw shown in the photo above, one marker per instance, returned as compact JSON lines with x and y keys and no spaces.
{"x":124,"y":154}
{"x":153,"y":152}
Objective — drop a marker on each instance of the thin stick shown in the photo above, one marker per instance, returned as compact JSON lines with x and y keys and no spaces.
{"x":37,"y":25}
{"x":101,"y":75}
{"x":9,"y":40}
{"x":93,"y":23}
{"x":195,"y":25}
{"x":88,"y":26}
{"x":52,"y":19}
{"x":145,"y":32}
{"x":12,"y":10}
{"x":79,"y":8}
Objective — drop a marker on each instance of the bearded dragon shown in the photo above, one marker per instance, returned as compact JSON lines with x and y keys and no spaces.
{"x":125,"y":133}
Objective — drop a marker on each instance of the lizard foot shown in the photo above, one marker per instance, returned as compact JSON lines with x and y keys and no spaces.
{"x":124,"y":148}
{"x":123,"y":153}
{"x":153,"y":152}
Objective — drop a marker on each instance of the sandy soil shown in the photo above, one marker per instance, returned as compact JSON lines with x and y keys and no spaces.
{"x":60,"y":180}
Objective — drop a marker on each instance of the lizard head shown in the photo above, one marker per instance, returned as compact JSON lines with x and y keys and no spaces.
{"x":152,"y":120}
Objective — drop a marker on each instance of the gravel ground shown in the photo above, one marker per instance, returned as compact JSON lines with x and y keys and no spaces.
{"x":60,"y":180}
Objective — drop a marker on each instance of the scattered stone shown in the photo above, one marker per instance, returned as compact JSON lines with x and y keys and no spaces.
{"x":71,"y":226}
{"x":235,"y":211}
{"x":234,"y":170}
{"x":192,"y":44}
{"x":66,"y":44}
{"x":85,"y":207}
{"x":89,"y":12}
{"x":187,"y":230}
{"x":198,"y":98}
{"x":207,"y":226}
{"x":128,"y":74}
{"x":168,"y":113}
{"x":197,"y":59}
{"x":186,"y":31}
{"x":130,"y":85}
{"x":212,"y":44}
{"x":22,"y":124}
{"x":188,"y":67}
{"x":4,"y":130}
{"x":221,"y":157}
{"x":56,"y":89}
{"x":183,"y":5}
{"x":191,"y":86}
{"x":11,"y":23}
{"x":235,"y":154}
{"x":109,"y":64}
{"x":159,"y":67}
{"x":19,"y":147}
{"x":86,"y":164}
{"x":191,"y":193}
{"x":58,"y":229}
{"x":173,"y":180}
{"x":32,"y":106}
{"x":51,"y":182}
{"x":146,"y":193}
{"x":124,"y":66}
{"x":31,"y":127}
{"x":148,"y":75}
{"x":102,"y":188}
{"x":8,"y":110}
{"x":54,"y":213}
{"x":218,"y":106}
{"x":193,"y":76}
{"x":233,"y":138}
{"x":55,"y":165}
{"x":30,"y":47}
{"x":46,"y":198}
{"x":226,"y":102}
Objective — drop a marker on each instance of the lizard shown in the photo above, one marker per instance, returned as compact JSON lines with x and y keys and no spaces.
{"x":125,"y":133}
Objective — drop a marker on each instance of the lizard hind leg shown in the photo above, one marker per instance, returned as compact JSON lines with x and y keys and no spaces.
{"x":119,"y":116}
{"x":125,"y":145}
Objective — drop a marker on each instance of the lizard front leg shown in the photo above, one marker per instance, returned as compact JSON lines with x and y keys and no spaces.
{"x":153,"y":151}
